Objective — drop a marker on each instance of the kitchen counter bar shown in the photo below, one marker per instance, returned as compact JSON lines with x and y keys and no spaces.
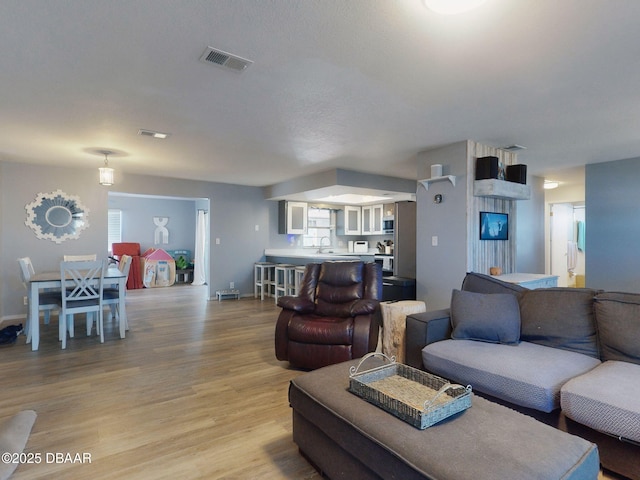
{"x":304,"y":256}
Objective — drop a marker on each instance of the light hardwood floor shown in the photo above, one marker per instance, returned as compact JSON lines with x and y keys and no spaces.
{"x":193,"y":392}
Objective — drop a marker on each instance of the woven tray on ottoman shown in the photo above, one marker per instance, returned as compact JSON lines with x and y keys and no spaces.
{"x":419,"y":398}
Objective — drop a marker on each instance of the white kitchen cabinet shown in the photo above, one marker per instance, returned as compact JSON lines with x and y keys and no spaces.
{"x":367,"y":220}
{"x":372,"y":219}
{"x":292,"y":217}
{"x":352,"y":220}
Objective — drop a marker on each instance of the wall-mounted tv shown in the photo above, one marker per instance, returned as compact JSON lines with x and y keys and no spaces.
{"x":494,"y":226}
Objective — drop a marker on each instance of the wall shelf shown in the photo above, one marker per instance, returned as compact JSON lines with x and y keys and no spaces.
{"x":501,"y":189}
{"x":428,"y":181}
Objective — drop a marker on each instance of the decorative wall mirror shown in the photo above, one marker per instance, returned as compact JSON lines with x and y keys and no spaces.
{"x":56,"y":216}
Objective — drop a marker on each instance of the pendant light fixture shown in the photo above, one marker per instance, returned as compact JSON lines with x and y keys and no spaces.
{"x":106,"y":172}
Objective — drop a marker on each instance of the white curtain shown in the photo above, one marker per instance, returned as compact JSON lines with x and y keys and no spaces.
{"x":199,"y":277}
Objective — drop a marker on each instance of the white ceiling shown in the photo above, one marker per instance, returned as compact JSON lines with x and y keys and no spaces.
{"x":356,"y":84}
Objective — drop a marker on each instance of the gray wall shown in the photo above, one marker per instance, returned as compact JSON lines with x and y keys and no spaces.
{"x":239,"y":216}
{"x":530,"y":227}
{"x":19,"y":185}
{"x":342,"y":177}
{"x":137,"y":220}
{"x":441,"y":269}
{"x":612,"y":223}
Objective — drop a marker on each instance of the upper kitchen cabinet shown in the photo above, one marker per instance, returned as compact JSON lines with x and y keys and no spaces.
{"x":350,"y":220}
{"x":372,"y":220}
{"x":292,"y":217}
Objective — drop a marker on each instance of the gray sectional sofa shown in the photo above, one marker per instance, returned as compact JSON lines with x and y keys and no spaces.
{"x":568,"y":357}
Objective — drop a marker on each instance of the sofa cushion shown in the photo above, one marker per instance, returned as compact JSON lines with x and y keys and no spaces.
{"x":618,"y":320}
{"x":606,"y":399}
{"x":491,"y":318}
{"x":560,"y":318}
{"x":479,"y":283}
{"x":526,"y":374}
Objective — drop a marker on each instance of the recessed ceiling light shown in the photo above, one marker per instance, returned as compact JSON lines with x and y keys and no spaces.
{"x":452,"y":7}
{"x":154,"y":134}
{"x":549,"y":185}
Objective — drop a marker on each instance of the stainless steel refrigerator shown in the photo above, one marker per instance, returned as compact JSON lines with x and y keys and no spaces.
{"x":404,"y":240}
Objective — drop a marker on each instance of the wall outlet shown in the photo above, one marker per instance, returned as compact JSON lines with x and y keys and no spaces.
{"x":232,"y":285}
{"x":24,"y":301}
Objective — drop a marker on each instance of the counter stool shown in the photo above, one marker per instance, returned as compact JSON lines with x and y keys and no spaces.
{"x":284,"y":280}
{"x":298,"y":275}
{"x":263,"y":274}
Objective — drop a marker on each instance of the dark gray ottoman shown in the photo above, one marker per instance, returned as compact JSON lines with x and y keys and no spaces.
{"x":346,"y":437}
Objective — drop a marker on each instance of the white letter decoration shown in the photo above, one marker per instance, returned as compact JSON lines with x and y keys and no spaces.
{"x":161,"y":233}
{"x":56,"y":216}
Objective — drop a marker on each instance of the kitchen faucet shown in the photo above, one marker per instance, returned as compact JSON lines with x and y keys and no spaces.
{"x":320,"y":247}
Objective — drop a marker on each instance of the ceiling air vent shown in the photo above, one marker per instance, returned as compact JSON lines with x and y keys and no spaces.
{"x":224,"y":59}
{"x":152,"y":133}
{"x":514,"y":148}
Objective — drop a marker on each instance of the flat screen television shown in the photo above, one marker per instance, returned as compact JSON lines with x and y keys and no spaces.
{"x":494,"y":226}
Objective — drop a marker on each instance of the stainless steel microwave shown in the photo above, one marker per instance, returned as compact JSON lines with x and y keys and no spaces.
{"x":387,"y":225}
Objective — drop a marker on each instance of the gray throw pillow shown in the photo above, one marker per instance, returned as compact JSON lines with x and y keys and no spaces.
{"x":561,"y":318}
{"x":480,"y":283}
{"x":493,"y":318}
{"x":617,"y":316}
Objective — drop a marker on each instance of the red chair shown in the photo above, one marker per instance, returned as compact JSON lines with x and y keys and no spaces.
{"x":135,"y":272}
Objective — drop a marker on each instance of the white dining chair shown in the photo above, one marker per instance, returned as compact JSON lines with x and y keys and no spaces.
{"x":47,"y":299}
{"x":80,"y":258}
{"x":111,"y":294}
{"x":82,"y":295}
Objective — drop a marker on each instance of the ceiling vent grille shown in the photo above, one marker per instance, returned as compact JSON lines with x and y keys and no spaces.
{"x":152,"y":133}
{"x":514,"y":148}
{"x":224,"y":59}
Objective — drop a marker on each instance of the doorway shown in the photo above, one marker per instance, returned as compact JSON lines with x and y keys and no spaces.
{"x":566,"y":243}
{"x":179,"y":216}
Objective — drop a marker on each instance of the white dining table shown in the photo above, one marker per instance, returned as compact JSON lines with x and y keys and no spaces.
{"x":44,"y":280}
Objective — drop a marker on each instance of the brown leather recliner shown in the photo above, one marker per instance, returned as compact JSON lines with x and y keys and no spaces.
{"x":335,"y":316}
